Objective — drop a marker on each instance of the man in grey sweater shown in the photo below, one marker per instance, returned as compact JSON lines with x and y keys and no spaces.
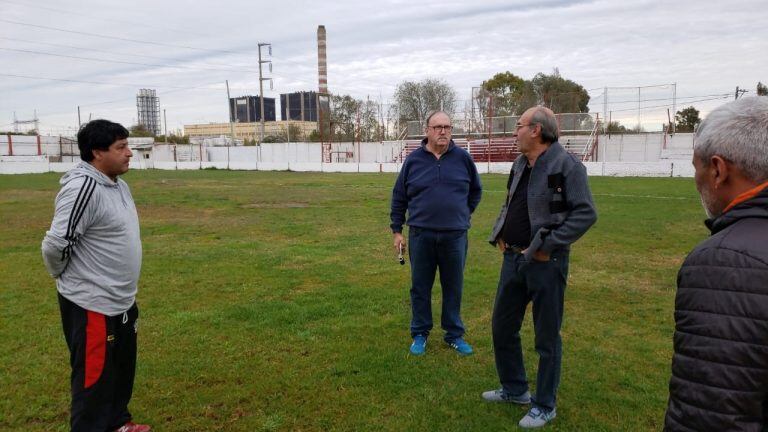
{"x":548,"y":207}
{"x":93,"y":250}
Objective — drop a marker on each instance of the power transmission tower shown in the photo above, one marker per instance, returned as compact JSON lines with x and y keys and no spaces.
{"x":17,"y":122}
{"x":261,"y":84}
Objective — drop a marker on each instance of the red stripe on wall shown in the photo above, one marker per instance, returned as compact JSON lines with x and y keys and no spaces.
{"x":95,"y":347}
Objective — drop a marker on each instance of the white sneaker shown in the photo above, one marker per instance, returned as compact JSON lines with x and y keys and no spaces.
{"x":537,"y":418}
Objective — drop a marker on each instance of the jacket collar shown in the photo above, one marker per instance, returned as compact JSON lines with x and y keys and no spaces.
{"x":755,"y":207}
{"x":545,"y":158}
{"x":451,"y":145}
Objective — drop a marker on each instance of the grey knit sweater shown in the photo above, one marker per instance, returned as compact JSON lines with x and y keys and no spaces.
{"x":560,"y":205}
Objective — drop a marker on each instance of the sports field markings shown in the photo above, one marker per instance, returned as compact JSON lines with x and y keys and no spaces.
{"x":662,"y":197}
{"x":620,"y":195}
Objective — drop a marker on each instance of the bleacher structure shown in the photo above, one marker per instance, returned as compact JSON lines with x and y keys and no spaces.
{"x":492,"y":140}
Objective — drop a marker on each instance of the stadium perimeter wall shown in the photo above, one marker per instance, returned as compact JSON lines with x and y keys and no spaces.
{"x":670,"y":168}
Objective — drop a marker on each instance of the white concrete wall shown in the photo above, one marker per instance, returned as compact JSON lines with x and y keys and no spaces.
{"x":670,"y":168}
{"x":26,"y":145}
{"x":626,"y":155}
{"x":647,"y":147}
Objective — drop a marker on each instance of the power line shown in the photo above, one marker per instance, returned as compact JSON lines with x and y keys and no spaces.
{"x":662,"y":99}
{"x":121,"y":39}
{"x":124,"y":62}
{"x":111,"y":19}
{"x":95,"y":49}
{"x":668,"y":105}
{"x":103,"y":83}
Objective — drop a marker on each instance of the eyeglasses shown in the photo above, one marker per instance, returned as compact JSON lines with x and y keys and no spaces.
{"x":440,"y":128}
{"x":518,"y":125}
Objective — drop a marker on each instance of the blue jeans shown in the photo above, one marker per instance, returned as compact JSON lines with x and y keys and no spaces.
{"x":521,"y":282}
{"x":429,"y":251}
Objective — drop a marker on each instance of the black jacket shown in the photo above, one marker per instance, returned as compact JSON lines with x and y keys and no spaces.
{"x":720,"y":365}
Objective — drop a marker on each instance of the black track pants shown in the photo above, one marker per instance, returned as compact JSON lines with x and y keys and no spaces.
{"x":103,"y":360}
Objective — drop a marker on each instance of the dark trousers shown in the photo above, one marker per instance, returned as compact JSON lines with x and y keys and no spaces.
{"x":429,"y":251}
{"x":542,"y":283}
{"x":103,"y":361}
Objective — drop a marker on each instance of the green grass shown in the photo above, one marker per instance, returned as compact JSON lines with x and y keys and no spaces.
{"x":272,"y":301}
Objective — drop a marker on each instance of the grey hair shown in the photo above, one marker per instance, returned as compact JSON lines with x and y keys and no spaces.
{"x":433,"y":113}
{"x":549,"y":130}
{"x":738,"y":132}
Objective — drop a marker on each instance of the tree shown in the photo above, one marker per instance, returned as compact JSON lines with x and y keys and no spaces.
{"x":507,"y":90}
{"x":559,"y":94}
{"x":762,"y":89}
{"x":512,"y":95}
{"x":343,"y":112}
{"x":140,"y":131}
{"x":615,"y":127}
{"x":687,"y":119}
{"x":172,"y":138}
{"x":354,"y":119}
{"x":414,"y":100}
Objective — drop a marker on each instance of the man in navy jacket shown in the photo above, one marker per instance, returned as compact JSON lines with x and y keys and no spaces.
{"x":439,"y":187}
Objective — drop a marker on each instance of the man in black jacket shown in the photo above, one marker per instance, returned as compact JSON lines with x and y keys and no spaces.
{"x":720,"y":365}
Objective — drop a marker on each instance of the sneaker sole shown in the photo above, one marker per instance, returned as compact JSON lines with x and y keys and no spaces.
{"x":509,"y":401}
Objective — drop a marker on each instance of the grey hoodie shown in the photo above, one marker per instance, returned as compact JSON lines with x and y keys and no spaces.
{"x":93,"y":248}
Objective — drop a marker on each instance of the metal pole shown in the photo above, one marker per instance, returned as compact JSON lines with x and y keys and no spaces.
{"x":605,"y":106}
{"x":261,"y":86}
{"x":674,"y":105}
{"x":638,"y":109}
{"x":229,"y":105}
{"x":79,"y":123}
{"x":261,"y":98}
{"x":490,"y":126}
{"x":165,"y":120}
{"x":288,"y":115}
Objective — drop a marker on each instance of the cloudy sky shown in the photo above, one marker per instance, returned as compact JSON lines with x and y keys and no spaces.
{"x":58,"y":55}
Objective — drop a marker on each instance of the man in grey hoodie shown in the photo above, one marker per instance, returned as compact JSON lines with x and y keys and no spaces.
{"x":93,"y":250}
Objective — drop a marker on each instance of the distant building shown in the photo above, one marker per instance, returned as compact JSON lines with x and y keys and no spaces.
{"x":292,"y":131}
{"x":247,"y":109}
{"x":148,"y":107}
{"x":298,"y":106}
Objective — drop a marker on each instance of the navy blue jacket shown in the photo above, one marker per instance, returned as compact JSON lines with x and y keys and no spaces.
{"x":439,"y":194}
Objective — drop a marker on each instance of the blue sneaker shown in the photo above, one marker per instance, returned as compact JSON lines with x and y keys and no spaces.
{"x":461,"y":346}
{"x":419,"y":345}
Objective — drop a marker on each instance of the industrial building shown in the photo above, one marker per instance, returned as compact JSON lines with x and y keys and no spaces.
{"x":148,"y":108}
{"x":247,"y":109}
{"x":299,"y":106}
{"x":299,"y":130}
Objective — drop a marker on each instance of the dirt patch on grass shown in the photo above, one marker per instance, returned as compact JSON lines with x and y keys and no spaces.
{"x":275,"y":205}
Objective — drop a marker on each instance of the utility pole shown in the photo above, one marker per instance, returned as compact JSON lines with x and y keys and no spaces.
{"x":261,"y":84}
{"x":229,"y":105}
{"x":79,"y":123}
{"x":639,"y":102}
{"x":165,"y":122}
{"x":605,"y":107}
{"x":739,"y":92}
{"x":674,"y":107}
{"x":288,"y":115}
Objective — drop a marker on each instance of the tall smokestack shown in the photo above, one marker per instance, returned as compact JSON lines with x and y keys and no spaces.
{"x":322,"y":65}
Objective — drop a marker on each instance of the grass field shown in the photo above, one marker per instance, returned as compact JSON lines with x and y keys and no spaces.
{"x":272,"y":301}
